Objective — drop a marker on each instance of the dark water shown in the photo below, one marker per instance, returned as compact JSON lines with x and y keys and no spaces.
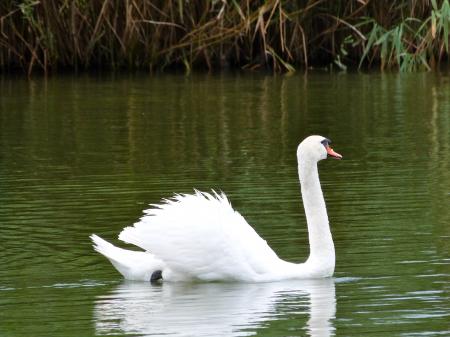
{"x":85,"y":155}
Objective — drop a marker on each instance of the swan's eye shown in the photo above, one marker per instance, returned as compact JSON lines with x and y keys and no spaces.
{"x":326,"y":142}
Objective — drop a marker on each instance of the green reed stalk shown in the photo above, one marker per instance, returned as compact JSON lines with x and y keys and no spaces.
{"x":275,"y":34}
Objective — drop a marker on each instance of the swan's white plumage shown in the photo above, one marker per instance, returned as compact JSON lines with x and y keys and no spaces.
{"x":132,"y":265}
{"x":200,"y":236}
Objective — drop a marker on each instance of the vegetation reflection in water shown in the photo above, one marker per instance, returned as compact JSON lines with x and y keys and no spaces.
{"x":84,"y":155}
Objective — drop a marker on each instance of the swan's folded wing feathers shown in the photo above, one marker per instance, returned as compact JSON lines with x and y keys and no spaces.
{"x":201,"y":236}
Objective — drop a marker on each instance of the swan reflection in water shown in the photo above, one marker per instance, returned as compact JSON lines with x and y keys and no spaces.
{"x":216,"y":309}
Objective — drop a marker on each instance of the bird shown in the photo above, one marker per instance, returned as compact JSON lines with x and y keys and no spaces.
{"x":200,"y":237}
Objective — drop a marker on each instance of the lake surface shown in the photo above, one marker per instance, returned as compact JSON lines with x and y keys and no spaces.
{"x":82,"y":155}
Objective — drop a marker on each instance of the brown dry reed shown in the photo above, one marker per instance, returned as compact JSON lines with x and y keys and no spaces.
{"x":279,"y":35}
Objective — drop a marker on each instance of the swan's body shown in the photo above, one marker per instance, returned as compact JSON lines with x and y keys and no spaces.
{"x":201,"y":237}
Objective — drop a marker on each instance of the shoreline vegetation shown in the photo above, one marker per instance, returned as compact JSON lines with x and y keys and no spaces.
{"x":281,"y":36}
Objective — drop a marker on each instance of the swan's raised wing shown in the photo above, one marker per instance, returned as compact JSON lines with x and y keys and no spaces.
{"x":200,"y":236}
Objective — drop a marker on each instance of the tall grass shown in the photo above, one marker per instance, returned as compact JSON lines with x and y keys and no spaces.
{"x":409,"y":44}
{"x":274,"y":34}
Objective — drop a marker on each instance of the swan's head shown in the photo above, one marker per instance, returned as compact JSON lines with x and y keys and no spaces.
{"x":316,"y":148}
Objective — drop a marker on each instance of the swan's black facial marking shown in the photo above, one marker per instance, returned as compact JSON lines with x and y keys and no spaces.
{"x":326,"y":142}
{"x":156,"y":276}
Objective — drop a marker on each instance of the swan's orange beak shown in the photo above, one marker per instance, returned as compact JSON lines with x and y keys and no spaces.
{"x":333,"y":154}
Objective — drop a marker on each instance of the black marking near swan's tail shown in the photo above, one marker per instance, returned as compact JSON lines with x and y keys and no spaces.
{"x":156,"y":276}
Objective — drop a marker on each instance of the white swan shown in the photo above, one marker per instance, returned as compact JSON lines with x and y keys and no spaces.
{"x":200,"y":237}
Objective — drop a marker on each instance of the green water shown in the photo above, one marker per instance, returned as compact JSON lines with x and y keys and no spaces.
{"x":82,"y":155}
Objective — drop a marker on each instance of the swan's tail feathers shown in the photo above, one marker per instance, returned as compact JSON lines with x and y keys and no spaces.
{"x":103,"y":247}
{"x":132,"y":265}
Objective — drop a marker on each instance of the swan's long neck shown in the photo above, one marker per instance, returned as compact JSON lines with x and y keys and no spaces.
{"x":322,"y":256}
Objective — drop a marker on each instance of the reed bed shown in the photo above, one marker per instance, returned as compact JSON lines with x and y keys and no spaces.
{"x":273,"y":34}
